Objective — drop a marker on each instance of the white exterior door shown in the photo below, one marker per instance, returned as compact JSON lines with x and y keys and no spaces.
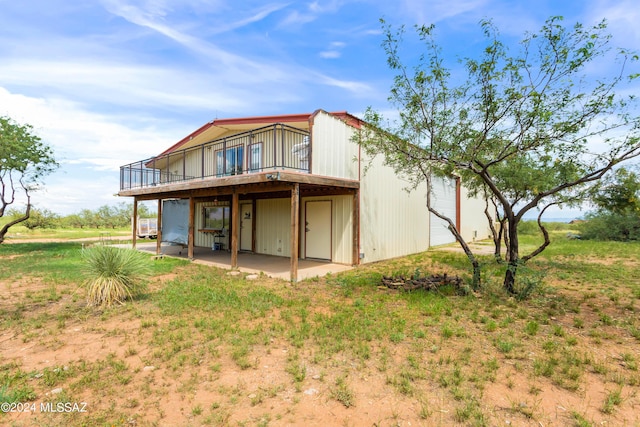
{"x":318,"y":230}
{"x":246,"y":226}
{"x":443,"y":200}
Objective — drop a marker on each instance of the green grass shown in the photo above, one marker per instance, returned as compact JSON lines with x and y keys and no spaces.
{"x":226,"y":337}
{"x":20,"y":232}
{"x":59,"y":262}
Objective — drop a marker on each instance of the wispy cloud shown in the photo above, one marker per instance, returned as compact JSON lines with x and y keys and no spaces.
{"x":257,"y":16}
{"x":434,"y":11}
{"x":74,"y":132}
{"x":334,"y":50}
{"x":330,"y":54}
{"x":309,"y":12}
{"x":90,"y":147}
{"x":622,"y":18}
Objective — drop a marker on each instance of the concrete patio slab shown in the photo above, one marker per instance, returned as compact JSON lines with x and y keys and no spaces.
{"x":272,"y":266}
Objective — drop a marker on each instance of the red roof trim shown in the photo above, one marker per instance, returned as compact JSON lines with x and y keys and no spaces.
{"x":263,"y":119}
{"x":348,"y":119}
{"x":285,"y":118}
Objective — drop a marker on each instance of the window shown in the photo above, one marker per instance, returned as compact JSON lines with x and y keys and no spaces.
{"x":301,"y":153}
{"x":233,"y":164}
{"x":216,"y":217}
{"x":255,"y":156}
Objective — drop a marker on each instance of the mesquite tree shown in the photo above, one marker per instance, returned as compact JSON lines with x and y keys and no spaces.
{"x":533,"y":127}
{"x":24,"y":161}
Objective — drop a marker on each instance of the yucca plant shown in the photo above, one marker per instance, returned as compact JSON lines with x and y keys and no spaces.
{"x":114,"y":274}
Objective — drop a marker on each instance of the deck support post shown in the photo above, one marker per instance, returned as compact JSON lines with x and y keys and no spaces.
{"x":159,"y":227}
{"x":190,"y":239}
{"x":134,"y":223}
{"x":356,"y":228}
{"x":235,"y":228}
{"x":295,"y":230}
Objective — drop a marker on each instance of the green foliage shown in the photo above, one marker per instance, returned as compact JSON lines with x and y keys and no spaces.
{"x":104,"y":217}
{"x":619,"y":192}
{"x":42,"y":218}
{"x":114,"y":275}
{"x":343,"y":393}
{"x":618,"y":213}
{"x":14,"y":385}
{"x":24,"y":161}
{"x":604,"y":225}
{"x":518,"y":127}
{"x":530,"y":227}
{"x":23,"y":152}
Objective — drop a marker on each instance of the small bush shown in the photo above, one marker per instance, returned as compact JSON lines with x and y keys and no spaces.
{"x":114,"y":275}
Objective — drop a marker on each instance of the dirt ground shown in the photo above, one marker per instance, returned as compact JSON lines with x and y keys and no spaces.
{"x":264,"y":394}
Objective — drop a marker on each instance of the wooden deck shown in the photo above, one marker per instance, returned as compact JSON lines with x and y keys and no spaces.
{"x":263,"y":182}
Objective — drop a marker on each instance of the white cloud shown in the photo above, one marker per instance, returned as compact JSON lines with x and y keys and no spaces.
{"x":75,"y":133}
{"x":90,"y":148}
{"x":356,"y":88}
{"x":122,"y":84}
{"x":333,"y":51}
{"x":330,"y":54}
{"x":434,"y":11}
{"x":257,"y":16}
{"x":622,"y":17}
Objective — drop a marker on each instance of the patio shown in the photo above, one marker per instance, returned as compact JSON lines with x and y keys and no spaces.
{"x":272,"y":266}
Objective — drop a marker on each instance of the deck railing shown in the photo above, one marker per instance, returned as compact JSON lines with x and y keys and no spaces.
{"x":273,"y":147}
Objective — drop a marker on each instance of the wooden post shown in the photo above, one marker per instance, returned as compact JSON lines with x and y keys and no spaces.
{"x":295,"y":230}
{"x":253,"y":225}
{"x":134,"y":223}
{"x":235,"y":228}
{"x":356,"y":228}
{"x":159,"y":225}
{"x":190,"y":239}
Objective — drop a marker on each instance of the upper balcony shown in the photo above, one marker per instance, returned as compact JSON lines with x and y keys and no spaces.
{"x":273,"y":147}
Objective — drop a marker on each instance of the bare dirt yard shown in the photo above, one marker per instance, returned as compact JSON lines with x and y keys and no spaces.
{"x":202,"y":347}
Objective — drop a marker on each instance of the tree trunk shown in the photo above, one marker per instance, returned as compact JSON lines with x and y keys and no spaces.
{"x":4,"y":230}
{"x":496,"y":235}
{"x":513,"y":256}
{"x":475,"y":280}
{"x":505,"y":233}
{"x":475,"y":284}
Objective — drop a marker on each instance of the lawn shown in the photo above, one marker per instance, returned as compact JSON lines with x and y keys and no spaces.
{"x":19,"y":233}
{"x":205,"y":347}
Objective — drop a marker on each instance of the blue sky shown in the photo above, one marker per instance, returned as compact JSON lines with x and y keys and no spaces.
{"x":108,"y":82}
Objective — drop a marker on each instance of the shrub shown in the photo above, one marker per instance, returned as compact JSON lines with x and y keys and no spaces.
{"x":114,"y":274}
{"x":605,"y":225}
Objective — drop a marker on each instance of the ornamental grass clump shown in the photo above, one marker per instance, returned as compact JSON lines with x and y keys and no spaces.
{"x":114,"y":275}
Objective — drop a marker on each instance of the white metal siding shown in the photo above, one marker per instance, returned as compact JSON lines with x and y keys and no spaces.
{"x":474,"y":223}
{"x":273,"y":226}
{"x":393,"y":222}
{"x":443,"y":200}
{"x":333,"y":153}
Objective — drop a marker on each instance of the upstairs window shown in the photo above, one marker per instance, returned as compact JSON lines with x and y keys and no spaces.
{"x":230,"y":162}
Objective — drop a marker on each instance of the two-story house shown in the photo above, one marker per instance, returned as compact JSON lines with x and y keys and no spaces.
{"x":293,"y":186}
